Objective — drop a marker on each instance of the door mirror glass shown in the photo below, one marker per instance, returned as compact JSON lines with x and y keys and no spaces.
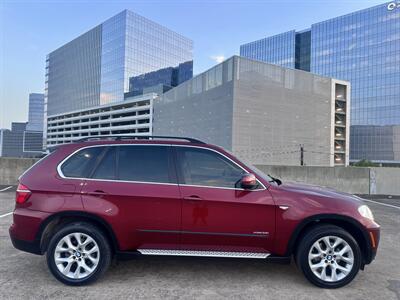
{"x":248,"y":181}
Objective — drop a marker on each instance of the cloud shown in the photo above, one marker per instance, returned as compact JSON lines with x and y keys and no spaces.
{"x":218,"y":58}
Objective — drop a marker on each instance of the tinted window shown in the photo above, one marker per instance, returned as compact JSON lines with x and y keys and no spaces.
{"x":207,"y":168}
{"x":106,"y":169}
{"x":144,"y":163}
{"x":81,"y":164}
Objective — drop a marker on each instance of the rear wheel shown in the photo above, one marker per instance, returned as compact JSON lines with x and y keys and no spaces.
{"x":329,"y":256}
{"x":78,"y":254}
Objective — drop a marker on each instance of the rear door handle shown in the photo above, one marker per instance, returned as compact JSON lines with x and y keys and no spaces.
{"x":97,"y":192}
{"x":193,"y":198}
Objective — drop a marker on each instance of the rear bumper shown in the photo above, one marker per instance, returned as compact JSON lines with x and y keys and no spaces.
{"x":27,"y":246}
{"x":24,"y":230}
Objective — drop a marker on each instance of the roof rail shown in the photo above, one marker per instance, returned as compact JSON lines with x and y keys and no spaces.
{"x":138,"y":137}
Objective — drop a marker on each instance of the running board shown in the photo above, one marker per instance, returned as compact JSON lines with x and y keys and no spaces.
{"x":204,"y":253}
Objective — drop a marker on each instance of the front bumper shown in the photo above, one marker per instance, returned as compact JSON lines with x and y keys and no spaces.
{"x":373,"y":238}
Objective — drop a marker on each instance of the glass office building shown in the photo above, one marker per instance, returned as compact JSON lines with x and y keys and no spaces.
{"x":159,"y":81}
{"x":36,"y":112}
{"x":278,"y":49}
{"x":18,"y":142}
{"x":364,"y":48}
{"x":94,"y":69}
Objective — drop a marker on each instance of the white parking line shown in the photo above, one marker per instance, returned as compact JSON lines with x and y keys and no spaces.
{"x":5,"y":215}
{"x":5,"y":189}
{"x":384,"y":204}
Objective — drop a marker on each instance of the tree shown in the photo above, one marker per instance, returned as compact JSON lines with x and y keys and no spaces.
{"x":365,"y":163}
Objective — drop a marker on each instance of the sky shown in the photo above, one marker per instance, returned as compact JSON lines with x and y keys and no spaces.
{"x":29,"y":30}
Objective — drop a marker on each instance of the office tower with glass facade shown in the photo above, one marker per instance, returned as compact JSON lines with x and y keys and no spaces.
{"x":362,"y":47}
{"x":278,"y":49}
{"x":94,"y":69}
{"x":18,"y":142}
{"x":36,"y":112}
{"x":159,"y":81}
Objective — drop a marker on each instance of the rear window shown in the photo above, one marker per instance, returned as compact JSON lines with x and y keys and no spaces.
{"x":81,"y":164}
{"x":107,"y":169}
{"x":144,"y":163}
{"x":128,"y":163}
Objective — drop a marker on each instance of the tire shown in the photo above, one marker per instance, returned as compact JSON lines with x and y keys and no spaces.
{"x":91,"y":262}
{"x":325,"y":269}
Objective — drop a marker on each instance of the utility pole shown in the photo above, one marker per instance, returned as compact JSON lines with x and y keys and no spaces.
{"x":301,"y":155}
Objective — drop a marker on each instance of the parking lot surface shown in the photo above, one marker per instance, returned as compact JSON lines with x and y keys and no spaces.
{"x":25,"y":276}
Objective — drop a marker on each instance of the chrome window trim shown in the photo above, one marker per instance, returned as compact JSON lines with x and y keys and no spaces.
{"x":223,"y":188}
{"x":60,"y":173}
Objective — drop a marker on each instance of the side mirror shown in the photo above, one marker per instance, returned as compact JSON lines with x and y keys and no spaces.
{"x":248,"y":181}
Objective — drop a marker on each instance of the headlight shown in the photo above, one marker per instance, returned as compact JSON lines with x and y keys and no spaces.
{"x":366,"y":212}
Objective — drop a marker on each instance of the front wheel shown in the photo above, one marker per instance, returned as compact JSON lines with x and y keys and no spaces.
{"x":78,"y":254}
{"x":329,"y":256}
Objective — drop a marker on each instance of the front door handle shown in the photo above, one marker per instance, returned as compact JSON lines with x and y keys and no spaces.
{"x":192,"y":198}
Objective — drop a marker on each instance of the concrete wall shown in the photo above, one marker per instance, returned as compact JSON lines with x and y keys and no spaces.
{"x":277,"y":109}
{"x":261,"y":112}
{"x":384,"y":181}
{"x":350,"y":180}
{"x":12,"y":168}
{"x":200,"y":108}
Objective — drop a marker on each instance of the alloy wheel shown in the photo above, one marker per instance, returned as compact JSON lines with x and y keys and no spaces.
{"x":331,"y":258}
{"x":77,"y":255}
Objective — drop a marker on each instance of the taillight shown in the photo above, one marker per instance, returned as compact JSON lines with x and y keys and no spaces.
{"x":22,"y":195}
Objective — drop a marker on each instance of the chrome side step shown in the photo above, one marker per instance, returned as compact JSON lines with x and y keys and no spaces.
{"x":204,"y":253}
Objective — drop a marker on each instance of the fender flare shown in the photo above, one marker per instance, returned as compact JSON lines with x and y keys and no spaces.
{"x":330,"y":217}
{"x":79,"y":214}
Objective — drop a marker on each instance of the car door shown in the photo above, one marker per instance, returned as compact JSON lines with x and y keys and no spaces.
{"x":134,"y":189}
{"x":216,"y":214}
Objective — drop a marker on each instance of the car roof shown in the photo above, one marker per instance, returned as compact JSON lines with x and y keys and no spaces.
{"x":138,"y":140}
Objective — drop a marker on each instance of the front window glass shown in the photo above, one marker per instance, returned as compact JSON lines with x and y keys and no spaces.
{"x":207,"y":168}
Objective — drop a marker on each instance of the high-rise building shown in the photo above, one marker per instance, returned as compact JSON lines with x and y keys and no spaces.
{"x":159,"y":81}
{"x":279,"y":49}
{"x":262,"y":112}
{"x":362,"y":47}
{"x":94,"y":69}
{"x":25,"y":139}
{"x":18,"y":142}
{"x":36,"y":112}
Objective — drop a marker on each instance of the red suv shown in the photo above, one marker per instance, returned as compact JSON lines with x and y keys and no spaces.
{"x":88,"y":201}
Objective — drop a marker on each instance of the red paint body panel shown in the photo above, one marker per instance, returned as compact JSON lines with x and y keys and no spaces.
{"x":147,"y":215}
{"x":305,"y":201}
{"x":26,"y":223}
{"x":227,"y":219}
{"x":135,"y":211}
